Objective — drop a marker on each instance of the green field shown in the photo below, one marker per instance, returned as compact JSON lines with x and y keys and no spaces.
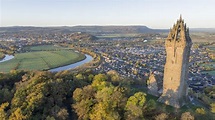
{"x":41,"y":60}
{"x":210,"y":72}
{"x":43,"y":48}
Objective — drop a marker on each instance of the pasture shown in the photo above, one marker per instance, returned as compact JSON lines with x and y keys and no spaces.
{"x":43,"y":48}
{"x":41,"y":60}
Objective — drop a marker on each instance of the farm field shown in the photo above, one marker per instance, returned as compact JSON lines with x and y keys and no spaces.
{"x":43,"y":48}
{"x":41,"y":60}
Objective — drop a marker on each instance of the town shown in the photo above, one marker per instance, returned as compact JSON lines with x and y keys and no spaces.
{"x":134,"y":58}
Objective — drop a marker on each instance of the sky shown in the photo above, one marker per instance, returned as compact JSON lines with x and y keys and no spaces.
{"x":152,"y":13}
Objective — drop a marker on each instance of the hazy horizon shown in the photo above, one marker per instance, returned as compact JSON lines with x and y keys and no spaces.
{"x":153,"y":14}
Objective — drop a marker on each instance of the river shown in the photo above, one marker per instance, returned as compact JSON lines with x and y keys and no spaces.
{"x":66,"y":67}
{"x":6,"y":58}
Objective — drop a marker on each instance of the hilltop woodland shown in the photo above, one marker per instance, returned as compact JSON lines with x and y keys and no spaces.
{"x":33,"y":95}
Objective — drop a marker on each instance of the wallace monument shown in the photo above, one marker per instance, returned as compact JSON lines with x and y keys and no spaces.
{"x":177,"y":44}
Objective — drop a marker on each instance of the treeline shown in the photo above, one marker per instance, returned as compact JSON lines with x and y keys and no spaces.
{"x":35,"y":95}
{"x":1,"y":55}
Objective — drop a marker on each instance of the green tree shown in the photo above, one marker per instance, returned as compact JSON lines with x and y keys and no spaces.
{"x":135,"y":106}
{"x":150,"y":105}
{"x":5,"y":95}
{"x":109,"y":104}
{"x":50,"y":118}
{"x":83,"y":101}
{"x":100,"y":81}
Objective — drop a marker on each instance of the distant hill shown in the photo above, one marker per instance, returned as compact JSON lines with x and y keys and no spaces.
{"x":115,"y":29}
{"x":95,"y":30}
{"x":202,"y":29}
{"x":87,"y":29}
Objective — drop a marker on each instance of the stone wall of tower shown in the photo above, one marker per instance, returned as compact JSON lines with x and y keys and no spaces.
{"x":177,"y":46}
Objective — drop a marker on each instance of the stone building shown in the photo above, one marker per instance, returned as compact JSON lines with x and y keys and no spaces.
{"x":177,"y":44}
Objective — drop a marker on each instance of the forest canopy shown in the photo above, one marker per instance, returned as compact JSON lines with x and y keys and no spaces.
{"x":82,"y":95}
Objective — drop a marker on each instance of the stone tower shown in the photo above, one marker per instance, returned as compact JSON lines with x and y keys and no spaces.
{"x":177,"y":44}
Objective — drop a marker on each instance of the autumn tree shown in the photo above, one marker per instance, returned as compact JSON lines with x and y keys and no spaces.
{"x":135,"y":106}
{"x":200,"y":111}
{"x":18,"y":115}
{"x":187,"y":116}
{"x":83,"y":101}
{"x":162,"y":116}
{"x":100,"y":81}
{"x":110,"y":103}
{"x":3,"y":113}
{"x":213,"y":107}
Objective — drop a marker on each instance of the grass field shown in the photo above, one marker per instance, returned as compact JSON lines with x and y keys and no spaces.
{"x":41,"y":60}
{"x":43,"y":48}
{"x":210,"y":72}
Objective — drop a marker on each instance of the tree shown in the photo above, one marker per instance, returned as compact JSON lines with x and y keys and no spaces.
{"x":213,"y":107}
{"x":100,"y":81}
{"x":135,"y":106}
{"x":115,"y":78}
{"x":151,"y":105}
{"x":18,"y":115}
{"x":187,"y":116}
{"x":3,"y":114}
{"x":162,"y":116}
{"x":62,"y":114}
{"x":109,"y":104}
{"x":200,"y":111}
{"x":79,"y":77}
{"x":5,"y":95}
{"x":83,"y":101}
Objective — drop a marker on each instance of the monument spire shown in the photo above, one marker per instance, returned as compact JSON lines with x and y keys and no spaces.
{"x":180,"y":17}
{"x":177,"y":44}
